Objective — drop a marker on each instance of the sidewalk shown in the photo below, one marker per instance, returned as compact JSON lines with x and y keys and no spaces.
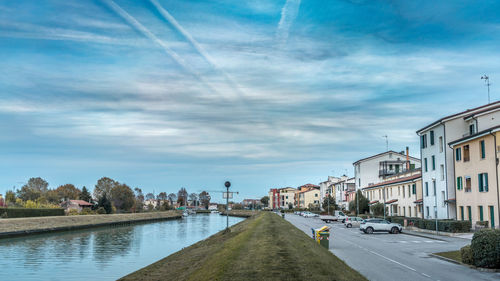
{"x":432,"y":234}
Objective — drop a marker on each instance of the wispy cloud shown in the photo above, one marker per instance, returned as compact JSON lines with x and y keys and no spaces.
{"x":289,"y":13}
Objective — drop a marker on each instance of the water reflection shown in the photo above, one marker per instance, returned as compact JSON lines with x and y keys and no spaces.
{"x":108,"y":253}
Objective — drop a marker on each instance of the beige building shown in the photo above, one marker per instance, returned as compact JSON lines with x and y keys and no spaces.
{"x":287,"y":197}
{"x":476,"y":177}
{"x":401,"y":194}
{"x":307,"y":197}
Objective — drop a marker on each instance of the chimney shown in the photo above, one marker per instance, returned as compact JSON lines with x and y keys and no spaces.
{"x":407,"y":158}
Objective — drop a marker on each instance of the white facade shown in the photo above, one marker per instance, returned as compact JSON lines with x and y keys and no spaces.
{"x":287,"y":197}
{"x":441,"y":174}
{"x":341,"y":187}
{"x":326,"y":187}
{"x":367,"y":171}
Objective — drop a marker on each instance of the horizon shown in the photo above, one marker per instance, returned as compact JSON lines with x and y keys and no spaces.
{"x":266,"y":94}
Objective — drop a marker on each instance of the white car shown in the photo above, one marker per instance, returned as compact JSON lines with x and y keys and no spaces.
{"x":310,"y":215}
{"x":353,"y":222}
{"x":379,"y":225}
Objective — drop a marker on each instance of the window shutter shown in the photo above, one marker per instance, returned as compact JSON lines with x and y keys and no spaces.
{"x":480,"y":179}
{"x":485,"y":181}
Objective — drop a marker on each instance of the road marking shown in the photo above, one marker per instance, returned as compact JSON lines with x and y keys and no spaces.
{"x":426,"y":275}
{"x":404,"y":265}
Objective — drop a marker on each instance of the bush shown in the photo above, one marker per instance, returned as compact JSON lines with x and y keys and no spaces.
{"x":486,"y":248}
{"x":73,"y":212}
{"x":482,"y":224}
{"x":466,"y":253}
{"x":24,"y":212}
{"x":101,"y":210}
{"x":86,"y":211}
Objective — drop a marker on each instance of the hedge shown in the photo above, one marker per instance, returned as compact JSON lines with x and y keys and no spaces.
{"x":466,"y":254}
{"x":485,"y":247}
{"x":23,"y":212}
{"x":453,"y":226}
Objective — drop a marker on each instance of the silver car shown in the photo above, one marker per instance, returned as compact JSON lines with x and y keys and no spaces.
{"x":352,"y":222}
{"x":379,"y":225}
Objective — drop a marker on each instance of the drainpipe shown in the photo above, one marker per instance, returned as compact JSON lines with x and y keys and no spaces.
{"x":496,"y":170}
{"x":407,"y":158}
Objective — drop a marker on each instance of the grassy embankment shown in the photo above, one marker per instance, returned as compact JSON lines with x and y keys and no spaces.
{"x":263,"y":247}
{"x":454,"y":255}
{"x":20,"y":226}
{"x":240,"y":213}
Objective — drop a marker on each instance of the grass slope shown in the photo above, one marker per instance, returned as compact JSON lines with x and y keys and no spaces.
{"x":454,"y":255}
{"x":264,"y":247}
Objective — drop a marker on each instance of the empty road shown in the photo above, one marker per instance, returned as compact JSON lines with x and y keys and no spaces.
{"x":386,"y":257}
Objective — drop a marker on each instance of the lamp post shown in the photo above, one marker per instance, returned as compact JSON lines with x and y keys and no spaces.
{"x":487,"y":82}
{"x":227,"y":184}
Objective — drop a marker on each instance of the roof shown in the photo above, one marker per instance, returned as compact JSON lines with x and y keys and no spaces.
{"x":81,"y":202}
{"x":308,"y":185}
{"x":487,"y":106}
{"x":391,"y":201}
{"x":474,"y":136}
{"x":308,"y":189}
{"x":373,"y":202}
{"x":419,"y":201}
{"x":380,"y":154}
{"x":401,"y":180}
{"x":482,"y":111}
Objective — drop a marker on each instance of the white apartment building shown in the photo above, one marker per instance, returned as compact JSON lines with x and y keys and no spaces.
{"x":374,"y":169}
{"x":341,"y":187}
{"x":438,"y":178}
{"x":326,"y":187}
{"x":287,"y":197}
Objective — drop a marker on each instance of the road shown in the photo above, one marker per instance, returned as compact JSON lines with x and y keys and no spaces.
{"x":387,"y":257}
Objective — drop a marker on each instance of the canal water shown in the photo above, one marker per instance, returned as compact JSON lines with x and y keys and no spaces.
{"x":102,"y":253}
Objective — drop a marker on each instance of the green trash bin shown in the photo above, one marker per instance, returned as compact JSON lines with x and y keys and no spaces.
{"x":324,"y":239}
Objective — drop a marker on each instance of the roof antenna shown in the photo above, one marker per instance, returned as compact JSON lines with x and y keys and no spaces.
{"x":386,"y":143}
{"x":487,"y":82}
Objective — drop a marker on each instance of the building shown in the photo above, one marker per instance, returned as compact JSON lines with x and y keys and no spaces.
{"x":273,"y":199}
{"x":77,"y":205}
{"x":437,"y":158}
{"x":287,"y":198}
{"x":251,"y":203}
{"x":374,"y":169}
{"x":342,"y":187}
{"x":326,"y":187}
{"x":213,"y":206}
{"x":476,"y":177}
{"x":401,"y":194}
{"x":308,"y":197}
{"x":150,"y":202}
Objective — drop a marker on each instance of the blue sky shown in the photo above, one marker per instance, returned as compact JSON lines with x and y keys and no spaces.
{"x":167,"y":94}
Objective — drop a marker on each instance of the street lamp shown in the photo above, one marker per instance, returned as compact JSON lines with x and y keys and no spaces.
{"x":487,"y":82}
{"x":227,"y":184}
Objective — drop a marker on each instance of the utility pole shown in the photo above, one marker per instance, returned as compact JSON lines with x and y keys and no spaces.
{"x":487,"y":82}
{"x":357,"y":203}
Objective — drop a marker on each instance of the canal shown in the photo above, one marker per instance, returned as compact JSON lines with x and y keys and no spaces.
{"x":102,"y":253}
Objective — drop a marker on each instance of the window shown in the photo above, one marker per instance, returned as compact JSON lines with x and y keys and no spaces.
{"x":433,"y":162}
{"x":425,"y":164}
{"x":466,"y":153}
{"x":423,"y":141}
{"x":469,"y":213}
{"x":434,"y":187}
{"x":468,"y":184}
{"x":483,"y":182}
{"x":390,"y":167}
{"x":391,"y":192}
{"x":427,"y":210}
{"x":480,"y":208}
{"x":414,"y":189}
{"x":287,"y":197}
{"x":403,"y":191}
{"x":316,"y":195}
{"x":483,"y":152}
{"x":409,"y":212}
{"x":472,"y":129}
{"x":399,"y":190}
{"x":444,"y":197}
{"x":459,"y":183}
{"x":426,"y":189}
{"x":432,"y":137}
{"x":462,"y":212}
{"x":409,"y":190}
{"x":442,"y":172}
{"x":441,"y":144}
{"x":492,"y":216}
{"x":458,"y":154}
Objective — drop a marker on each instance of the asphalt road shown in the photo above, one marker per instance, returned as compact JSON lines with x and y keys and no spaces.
{"x":382,"y":256}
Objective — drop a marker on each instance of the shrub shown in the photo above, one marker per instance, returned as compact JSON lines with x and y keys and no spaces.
{"x":486,"y":248}
{"x":466,"y":253}
{"x":86,"y":211}
{"x":101,"y":210}
{"x":73,"y":212}
{"x":24,"y":212}
{"x":483,"y":224}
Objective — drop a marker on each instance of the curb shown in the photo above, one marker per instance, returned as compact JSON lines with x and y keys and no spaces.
{"x":464,"y":264}
{"x":78,"y":227}
{"x":424,"y":236}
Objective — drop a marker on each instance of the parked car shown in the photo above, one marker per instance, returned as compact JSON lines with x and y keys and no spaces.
{"x":379,"y":225}
{"x":353,"y":222}
{"x":310,"y":215}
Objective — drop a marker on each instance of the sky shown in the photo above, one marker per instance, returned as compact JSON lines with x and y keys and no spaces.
{"x":163,"y":94}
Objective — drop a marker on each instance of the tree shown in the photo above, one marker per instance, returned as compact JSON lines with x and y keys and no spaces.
{"x":139,"y":200}
{"x":10,"y":196}
{"x":162,"y":196}
{"x":104,"y":186}
{"x":85,"y":195}
{"x":193,"y":197}
{"x":105,"y":204}
{"x":182,"y":196}
{"x":37,"y":184}
{"x":26,"y":193}
{"x":363,"y":203}
{"x":265,"y":200}
{"x":52,"y":196}
{"x":377,"y":209}
{"x":68,"y":192}
{"x":122,"y":197}
{"x":333,"y":204}
{"x":150,"y":196}
{"x":204,"y":198}
{"x":172,"y":197}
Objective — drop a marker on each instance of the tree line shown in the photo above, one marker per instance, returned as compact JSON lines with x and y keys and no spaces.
{"x":108,"y":196}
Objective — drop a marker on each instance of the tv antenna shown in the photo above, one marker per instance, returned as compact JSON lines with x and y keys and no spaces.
{"x":487,"y":83}
{"x":386,"y":142}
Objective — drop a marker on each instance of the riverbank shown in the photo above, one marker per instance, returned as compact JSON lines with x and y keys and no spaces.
{"x":241,"y":213}
{"x":24,"y":226}
{"x":263,"y":247}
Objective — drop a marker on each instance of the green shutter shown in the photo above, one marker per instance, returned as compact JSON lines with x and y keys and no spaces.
{"x":485,"y":181}
{"x":462,"y":212}
{"x":481,"y":213}
{"x":483,"y":152}
{"x":433,"y":162}
{"x":414,"y":188}
{"x":469,"y":211}
{"x":492,"y":217}
{"x":480,"y":181}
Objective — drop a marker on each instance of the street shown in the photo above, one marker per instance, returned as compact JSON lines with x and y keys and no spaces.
{"x":383,"y":256}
